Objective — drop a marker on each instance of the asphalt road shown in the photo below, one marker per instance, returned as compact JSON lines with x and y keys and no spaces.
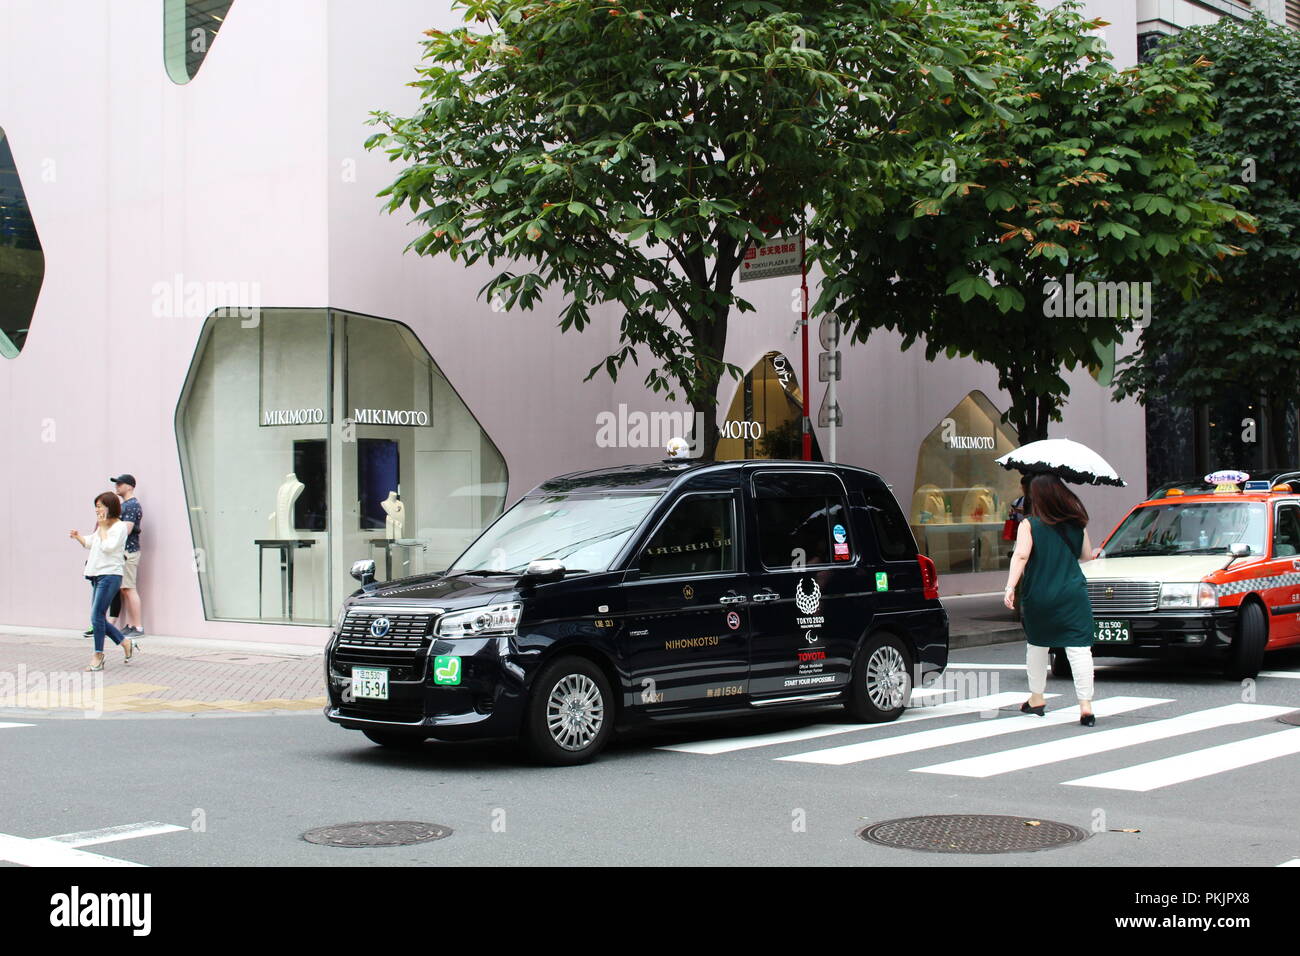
{"x":241,"y":790}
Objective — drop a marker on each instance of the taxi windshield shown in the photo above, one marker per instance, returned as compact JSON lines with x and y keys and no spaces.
{"x":1208,"y":527}
{"x":583,"y":531}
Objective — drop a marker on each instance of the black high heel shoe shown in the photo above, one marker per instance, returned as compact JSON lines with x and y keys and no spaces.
{"x":1088,"y":720}
{"x":1026,"y":709}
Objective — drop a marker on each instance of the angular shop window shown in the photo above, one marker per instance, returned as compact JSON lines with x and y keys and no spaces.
{"x":314,"y":438}
{"x":763,"y":420}
{"x":962,"y":497}
{"x":22,"y":261}
{"x":189,"y":27}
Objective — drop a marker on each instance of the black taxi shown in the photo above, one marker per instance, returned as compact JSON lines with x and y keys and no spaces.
{"x":607,"y":599}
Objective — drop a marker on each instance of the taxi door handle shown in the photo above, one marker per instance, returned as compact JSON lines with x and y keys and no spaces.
{"x":766,"y":596}
{"x":731,"y":599}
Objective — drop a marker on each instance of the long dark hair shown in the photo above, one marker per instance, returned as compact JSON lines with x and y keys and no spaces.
{"x":1054,"y":503}
{"x":111,"y":503}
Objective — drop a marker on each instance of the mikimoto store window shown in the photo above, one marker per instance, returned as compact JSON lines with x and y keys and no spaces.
{"x":962,"y":497}
{"x":310,"y":439}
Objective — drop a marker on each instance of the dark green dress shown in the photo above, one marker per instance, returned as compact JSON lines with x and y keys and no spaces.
{"x":1054,"y":606}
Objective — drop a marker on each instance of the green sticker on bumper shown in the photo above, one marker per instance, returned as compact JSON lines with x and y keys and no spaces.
{"x":446,"y":670}
{"x":882,"y":581}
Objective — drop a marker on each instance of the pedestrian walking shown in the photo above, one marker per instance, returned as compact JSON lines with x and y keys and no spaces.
{"x":132,"y":515}
{"x":104,"y":566}
{"x":1054,"y":606}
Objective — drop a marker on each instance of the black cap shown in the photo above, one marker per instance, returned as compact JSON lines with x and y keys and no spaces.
{"x":124,"y":480}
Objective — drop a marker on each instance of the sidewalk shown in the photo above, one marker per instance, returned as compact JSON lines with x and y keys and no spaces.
{"x":978,"y":619}
{"x":41,"y":674}
{"x":41,"y":671}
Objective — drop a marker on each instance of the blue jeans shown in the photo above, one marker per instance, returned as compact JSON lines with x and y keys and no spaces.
{"x":104,"y":588}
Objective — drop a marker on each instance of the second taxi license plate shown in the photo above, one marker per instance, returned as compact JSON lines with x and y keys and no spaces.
{"x":370,"y":683}
{"x":1111,"y":632}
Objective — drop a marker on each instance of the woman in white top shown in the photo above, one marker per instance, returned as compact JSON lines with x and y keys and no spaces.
{"x":104,"y":568}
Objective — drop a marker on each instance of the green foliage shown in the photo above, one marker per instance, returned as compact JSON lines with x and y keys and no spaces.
{"x":1096,"y":179}
{"x":1242,"y":333}
{"x":628,"y":153}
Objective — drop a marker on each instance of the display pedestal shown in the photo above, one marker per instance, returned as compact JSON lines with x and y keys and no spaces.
{"x":389,"y":543}
{"x":287,"y":548}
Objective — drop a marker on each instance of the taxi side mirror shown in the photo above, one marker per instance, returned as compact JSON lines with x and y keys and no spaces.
{"x":542,"y":570}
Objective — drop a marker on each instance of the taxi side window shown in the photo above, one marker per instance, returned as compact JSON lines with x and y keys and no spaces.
{"x":801,"y":516}
{"x":697,"y":537}
{"x":1286,"y":534}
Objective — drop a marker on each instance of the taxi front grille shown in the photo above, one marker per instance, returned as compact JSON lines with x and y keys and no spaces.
{"x":401,"y":648}
{"x":1123,"y":597}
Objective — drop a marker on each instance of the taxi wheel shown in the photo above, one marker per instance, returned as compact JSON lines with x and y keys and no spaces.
{"x":395,"y":740}
{"x":570,"y":713}
{"x":1247,"y":654}
{"x":1060,"y":663}
{"x":882,"y":680}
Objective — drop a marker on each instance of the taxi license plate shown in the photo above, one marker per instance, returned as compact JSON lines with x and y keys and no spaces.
{"x":370,"y":683}
{"x":1111,"y":632}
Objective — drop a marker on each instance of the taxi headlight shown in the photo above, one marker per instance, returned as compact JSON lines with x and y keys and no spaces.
{"x":1187,"y":596}
{"x":493,"y":621}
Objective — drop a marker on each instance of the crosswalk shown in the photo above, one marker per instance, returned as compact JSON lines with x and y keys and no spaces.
{"x":971,"y":722}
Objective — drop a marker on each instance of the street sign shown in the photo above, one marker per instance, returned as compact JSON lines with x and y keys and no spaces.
{"x":828,"y":367}
{"x":829,"y":332}
{"x":780,"y":257}
{"x":830,"y":410}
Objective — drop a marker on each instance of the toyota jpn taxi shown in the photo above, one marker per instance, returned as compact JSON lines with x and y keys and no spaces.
{"x":1214,"y":574}
{"x":647,"y":594}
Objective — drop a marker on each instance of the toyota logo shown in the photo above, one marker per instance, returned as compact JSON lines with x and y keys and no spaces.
{"x":379,"y":627}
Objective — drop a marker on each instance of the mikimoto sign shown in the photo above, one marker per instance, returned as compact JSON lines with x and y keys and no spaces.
{"x":780,"y":257}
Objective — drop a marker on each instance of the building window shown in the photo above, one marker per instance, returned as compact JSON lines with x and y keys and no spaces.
{"x":189,"y":27}
{"x":312,"y":439}
{"x":962,"y":495}
{"x":764,"y":418}
{"x":22,"y":262}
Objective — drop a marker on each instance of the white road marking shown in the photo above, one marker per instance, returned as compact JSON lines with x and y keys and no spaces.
{"x":1197,"y":764}
{"x":964,"y":733}
{"x":109,"y":834}
{"x":985,"y":667}
{"x":62,"y":850}
{"x":729,"y":744}
{"x":1295,"y":862}
{"x":1292,"y":674}
{"x":1083,"y":745}
{"x":2,"y":726}
{"x":27,"y":852}
{"x":921,"y":693}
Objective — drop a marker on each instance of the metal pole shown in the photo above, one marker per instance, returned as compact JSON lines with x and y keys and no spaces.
{"x":807,"y":423}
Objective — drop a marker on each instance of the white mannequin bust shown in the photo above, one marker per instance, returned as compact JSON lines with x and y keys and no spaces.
{"x":282,"y":518}
{"x":396,"y":512}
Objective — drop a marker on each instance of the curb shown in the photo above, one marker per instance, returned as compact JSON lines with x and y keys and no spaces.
{"x":1009,"y":634}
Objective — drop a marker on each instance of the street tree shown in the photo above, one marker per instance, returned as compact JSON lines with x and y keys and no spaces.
{"x":1027,"y":246}
{"x":1242,"y":334}
{"x":628,"y":153}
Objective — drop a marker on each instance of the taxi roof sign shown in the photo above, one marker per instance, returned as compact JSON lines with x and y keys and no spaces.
{"x":1226,"y":477}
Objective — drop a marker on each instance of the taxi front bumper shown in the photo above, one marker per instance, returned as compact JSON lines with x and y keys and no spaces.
{"x":1207,"y":631}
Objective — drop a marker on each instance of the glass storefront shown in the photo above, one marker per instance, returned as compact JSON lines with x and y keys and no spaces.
{"x":962,"y":497}
{"x":310,"y":439}
{"x":763,"y":418}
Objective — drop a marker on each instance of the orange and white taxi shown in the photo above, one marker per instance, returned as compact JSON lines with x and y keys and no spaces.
{"x":1213,"y":574}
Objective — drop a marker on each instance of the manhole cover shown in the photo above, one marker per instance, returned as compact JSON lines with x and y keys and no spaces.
{"x":381,"y":833}
{"x":1291,"y":718}
{"x":972,"y":833}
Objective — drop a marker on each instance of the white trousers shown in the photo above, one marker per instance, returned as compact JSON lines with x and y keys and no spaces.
{"x":1080,"y":659}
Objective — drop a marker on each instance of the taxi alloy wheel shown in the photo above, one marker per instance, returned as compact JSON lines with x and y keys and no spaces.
{"x":882,"y":680}
{"x":570,"y":714}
